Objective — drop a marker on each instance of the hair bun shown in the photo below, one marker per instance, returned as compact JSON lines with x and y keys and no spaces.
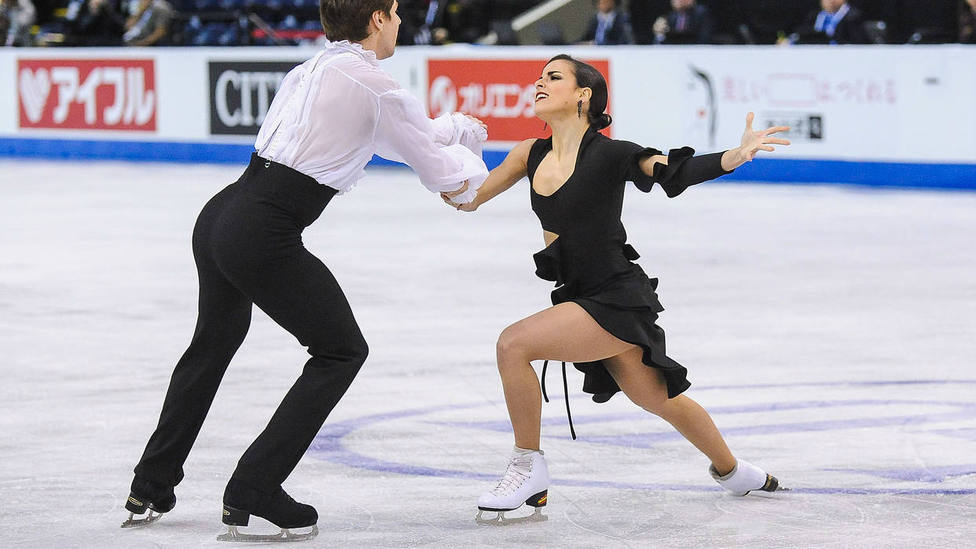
{"x":603,"y":121}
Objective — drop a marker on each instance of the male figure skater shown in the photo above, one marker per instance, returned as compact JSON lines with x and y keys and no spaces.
{"x":330,"y":115}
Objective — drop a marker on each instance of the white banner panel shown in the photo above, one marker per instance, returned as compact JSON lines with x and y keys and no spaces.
{"x":880,"y":104}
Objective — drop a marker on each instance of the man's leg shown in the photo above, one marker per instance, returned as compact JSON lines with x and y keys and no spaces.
{"x":302,"y":295}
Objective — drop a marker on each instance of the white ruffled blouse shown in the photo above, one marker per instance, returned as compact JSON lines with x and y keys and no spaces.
{"x":334,"y":111}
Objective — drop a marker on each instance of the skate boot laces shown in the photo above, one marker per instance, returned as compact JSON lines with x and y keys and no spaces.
{"x":518,"y":471}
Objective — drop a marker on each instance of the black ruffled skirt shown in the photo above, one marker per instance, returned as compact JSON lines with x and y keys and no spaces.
{"x":625,"y":305}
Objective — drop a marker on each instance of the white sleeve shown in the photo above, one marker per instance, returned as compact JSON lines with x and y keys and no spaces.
{"x":405,"y":134}
{"x":454,"y":128}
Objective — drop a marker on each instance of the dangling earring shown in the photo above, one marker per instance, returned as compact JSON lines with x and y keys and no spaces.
{"x":579,"y":109}
{"x":545,"y":126}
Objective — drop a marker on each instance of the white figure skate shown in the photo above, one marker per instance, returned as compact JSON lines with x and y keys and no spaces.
{"x":745,"y":478}
{"x":526,"y":480}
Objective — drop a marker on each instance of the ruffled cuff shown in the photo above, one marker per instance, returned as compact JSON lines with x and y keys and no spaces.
{"x":455,"y":128}
{"x":689,"y":170}
{"x":473,"y":170}
{"x":445,"y":132}
{"x":634,"y":173}
{"x":468,"y":129}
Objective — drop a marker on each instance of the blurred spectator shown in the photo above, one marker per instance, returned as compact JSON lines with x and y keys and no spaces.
{"x":148,"y":23}
{"x":967,"y":22}
{"x":16,"y":18}
{"x":836,"y":23}
{"x":95,"y":22}
{"x":423,"y":22}
{"x":609,"y":26}
{"x":688,"y":23}
{"x":468,"y":20}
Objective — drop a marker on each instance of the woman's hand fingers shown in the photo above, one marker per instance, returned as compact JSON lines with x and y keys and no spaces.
{"x":775,"y":129}
{"x":452,"y":194}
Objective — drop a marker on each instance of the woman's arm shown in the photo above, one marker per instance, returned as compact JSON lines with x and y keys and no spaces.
{"x":512,"y":169}
{"x":752,"y":143}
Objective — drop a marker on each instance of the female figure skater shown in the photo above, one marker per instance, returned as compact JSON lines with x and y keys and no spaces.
{"x":604,"y":306}
{"x":331,"y":114}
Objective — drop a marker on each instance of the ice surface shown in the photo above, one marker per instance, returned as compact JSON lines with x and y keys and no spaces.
{"x":830,"y":331}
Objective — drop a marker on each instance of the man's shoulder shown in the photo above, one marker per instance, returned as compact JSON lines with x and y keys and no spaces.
{"x":365,"y":74}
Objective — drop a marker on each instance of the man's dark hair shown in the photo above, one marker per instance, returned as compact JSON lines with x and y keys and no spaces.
{"x":349,"y":19}
{"x":588,"y":77}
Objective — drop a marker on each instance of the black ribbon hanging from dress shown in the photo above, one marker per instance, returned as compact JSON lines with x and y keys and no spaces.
{"x":569,"y":415}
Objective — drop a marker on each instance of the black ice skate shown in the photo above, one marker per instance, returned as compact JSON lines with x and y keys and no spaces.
{"x":241,"y":501}
{"x":146,"y":496}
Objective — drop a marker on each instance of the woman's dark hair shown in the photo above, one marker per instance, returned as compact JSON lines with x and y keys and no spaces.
{"x":349,"y":19}
{"x":589,"y":77}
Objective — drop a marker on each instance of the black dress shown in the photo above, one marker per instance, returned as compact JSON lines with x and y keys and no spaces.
{"x":591,"y":262}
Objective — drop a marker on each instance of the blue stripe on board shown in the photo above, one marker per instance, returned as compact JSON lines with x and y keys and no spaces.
{"x":772,"y":170}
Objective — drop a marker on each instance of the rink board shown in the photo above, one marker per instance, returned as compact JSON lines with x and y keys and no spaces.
{"x":880,"y":116}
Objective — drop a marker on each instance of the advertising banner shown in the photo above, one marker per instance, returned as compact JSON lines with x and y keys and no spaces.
{"x":830,"y":113}
{"x":501,"y":92}
{"x":87,"y":94}
{"x":241,"y":92}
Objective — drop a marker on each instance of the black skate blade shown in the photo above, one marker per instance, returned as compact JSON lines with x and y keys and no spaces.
{"x":133,"y":522}
{"x":772,"y":485}
{"x":501,"y":520}
{"x":286,"y":534}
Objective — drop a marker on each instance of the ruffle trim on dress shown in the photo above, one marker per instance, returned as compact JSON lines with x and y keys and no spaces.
{"x":630,"y":253}
{"x":549,"y":259}
{"x":664,"y":175}
{"x":597,"y":380}
{"x":547,"y":263}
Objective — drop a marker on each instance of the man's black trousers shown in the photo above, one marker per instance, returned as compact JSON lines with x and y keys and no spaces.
{"x":248,"y":249}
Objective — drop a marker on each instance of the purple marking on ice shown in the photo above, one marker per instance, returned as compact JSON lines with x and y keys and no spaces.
{"x":328,"y":445}
{"x":648,"y":440}
{"x":927,"y":474}
{"x":504,"y":425}
{"x":965,"y":434}
{"x":842,"y":384}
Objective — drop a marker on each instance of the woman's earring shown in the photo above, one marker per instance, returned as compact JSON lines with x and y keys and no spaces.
{"x":579,"y":109}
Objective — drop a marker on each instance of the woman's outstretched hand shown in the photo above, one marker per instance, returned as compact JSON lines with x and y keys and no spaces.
{"x":752,"y":142}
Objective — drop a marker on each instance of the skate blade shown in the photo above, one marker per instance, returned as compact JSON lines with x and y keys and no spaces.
{"x":133,"y":522}
{"x":501,"y":520}
{"x":286,"y":534}
{"x":772,"y":485}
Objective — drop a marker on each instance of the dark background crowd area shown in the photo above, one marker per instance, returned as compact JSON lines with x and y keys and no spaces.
{"x":280,"y":22}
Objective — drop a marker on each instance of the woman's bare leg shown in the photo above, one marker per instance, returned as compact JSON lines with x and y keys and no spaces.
{"x":646,"y":387}
{"x":565,"y":332}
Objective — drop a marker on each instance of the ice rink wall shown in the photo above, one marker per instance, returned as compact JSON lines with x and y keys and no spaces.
{"x":902,"y":116}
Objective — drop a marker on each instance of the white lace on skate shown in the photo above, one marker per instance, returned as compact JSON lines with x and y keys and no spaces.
{"x":518,"y":471}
